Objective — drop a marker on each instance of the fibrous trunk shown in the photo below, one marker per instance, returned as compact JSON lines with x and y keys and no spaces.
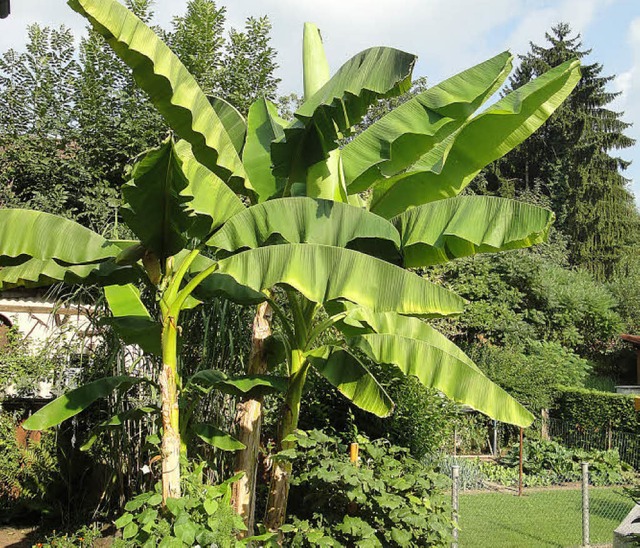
{"x":170,"y":414}
{"x":249,"y":421}
{"x":281,"y":472}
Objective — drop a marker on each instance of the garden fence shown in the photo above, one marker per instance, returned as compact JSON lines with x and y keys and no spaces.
{"x":569,"y":511}
{"x":603,"y":438}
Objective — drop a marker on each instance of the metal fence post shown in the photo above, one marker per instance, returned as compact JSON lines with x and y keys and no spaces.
{"x":585,"y":504}
{"x":455,"y":476}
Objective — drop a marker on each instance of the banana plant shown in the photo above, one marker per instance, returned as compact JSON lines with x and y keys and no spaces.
{"x":38,"y":248}
{"x":342,"y":257}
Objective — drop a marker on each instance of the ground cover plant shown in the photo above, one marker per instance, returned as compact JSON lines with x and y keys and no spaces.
{"x":386,"y":498}
{"x":209,"y":243}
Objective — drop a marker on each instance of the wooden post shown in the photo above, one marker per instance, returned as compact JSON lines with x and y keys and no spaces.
{"x":544,"y":429}
{"x":520,"y":474}
{"x":354,"y":448}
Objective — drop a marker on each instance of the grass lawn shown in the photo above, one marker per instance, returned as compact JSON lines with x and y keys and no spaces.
{"x":550,"y":517}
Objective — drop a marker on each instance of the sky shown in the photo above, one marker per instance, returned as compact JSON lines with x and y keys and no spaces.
{"x":447,"y":35}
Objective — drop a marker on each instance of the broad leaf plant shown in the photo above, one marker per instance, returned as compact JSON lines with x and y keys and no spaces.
{"x":251,"y":210}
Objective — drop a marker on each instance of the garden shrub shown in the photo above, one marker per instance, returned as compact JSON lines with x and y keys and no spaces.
{"x":23,"y":363}
{"x":591,"y":410}
{"x":422,"y":420}
{"x":29,"y":480}
{"x":532,"y":370}
{"x":389,"y":499}
{"x":550,"y":463}
{"x":203,"y":515}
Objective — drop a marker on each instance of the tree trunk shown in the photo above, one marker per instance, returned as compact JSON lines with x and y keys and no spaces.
{"x":170,"y":413}
{"x":249,"y":421}
{"x":281,"y":474}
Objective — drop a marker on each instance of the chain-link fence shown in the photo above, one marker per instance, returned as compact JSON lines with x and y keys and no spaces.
{"x":547,"y":497}
{"x":566,"y":513}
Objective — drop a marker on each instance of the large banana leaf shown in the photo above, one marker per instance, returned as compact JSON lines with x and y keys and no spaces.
{"x":315,"y":67}
{"x":458,"y":227}
{"x":326,"y":179}
{"x":239,"y":385}
{"x":131,"y":320}
{"x":26,"y":234}
{"x":338,"y":105}
{"x":75,"y":401}
{"x":39,"y":272}
{"x":448,"y":168}
{"x":217,"y":438}
{"x":155,"y":207}
{"x":233,"y":122}
{"x":213,"y":201}
{"x":360,"y":321}
{"x":172,"y":89}
{"x":220,"y":285}
{"x":299,"y":220}
{"x":436,"y":368}
{"x":352,"y":379}
{"x":264,"y":127}
{"x":400,"y":138}
{"x":324,"y":273}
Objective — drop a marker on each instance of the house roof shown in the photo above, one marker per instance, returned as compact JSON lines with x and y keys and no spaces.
{"x":633,"y":339}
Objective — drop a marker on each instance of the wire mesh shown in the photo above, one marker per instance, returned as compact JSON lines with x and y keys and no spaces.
{"x":550,"y":510}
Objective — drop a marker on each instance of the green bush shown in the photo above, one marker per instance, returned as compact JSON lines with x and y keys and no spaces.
{"x":532,"y":370}
{"x":550,"y":463}
{"x":422,"y":420}
{"x":29,"y":478}
{"x":591,"y":410}
{"x":203,"y":515}
{"x":390,"y":499}
{"x":23,"y":363}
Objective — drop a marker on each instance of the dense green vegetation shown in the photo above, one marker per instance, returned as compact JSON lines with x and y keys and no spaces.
{"x":288,"y":215}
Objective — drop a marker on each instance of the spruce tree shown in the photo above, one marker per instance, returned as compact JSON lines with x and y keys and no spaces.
{"x":573,"y":158}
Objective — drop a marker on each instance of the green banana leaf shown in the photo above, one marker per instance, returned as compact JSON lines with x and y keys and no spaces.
{"x":264,"y":127}
{"x":26,"y":234}
{"x":220,"y":285}
{"x":448,"y":168}
{"x":401,"y":137}
{"x":131,"y":320}
{"x":156,"y":209}
{"x":361,"y":321}
{"x":324,"y":273}
{"x":326,"y":179}
{"x":217,"y":438}
{"x":306,"y":220}
{"x":38,"y":273}
{"x":352,"y":379}
{"x":213,"y":202}
{"x":77,"y":400}
{"x":435,"y":368}
{"x":233,"y":122}
{"x":315,"y":67}
{"x":170,"y":86}
{"x":115,"y":422}
{"x":338,"y":105}
{"x":240,"y":385}
{"x":458,"y":227}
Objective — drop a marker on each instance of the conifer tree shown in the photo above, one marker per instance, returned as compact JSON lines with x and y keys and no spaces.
{"x":574,"y":159}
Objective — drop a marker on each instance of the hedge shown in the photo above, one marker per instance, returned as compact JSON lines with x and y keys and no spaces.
{"x":595,"y":410}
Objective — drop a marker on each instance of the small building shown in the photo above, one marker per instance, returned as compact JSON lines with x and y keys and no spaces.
{"x":43,"y":322}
